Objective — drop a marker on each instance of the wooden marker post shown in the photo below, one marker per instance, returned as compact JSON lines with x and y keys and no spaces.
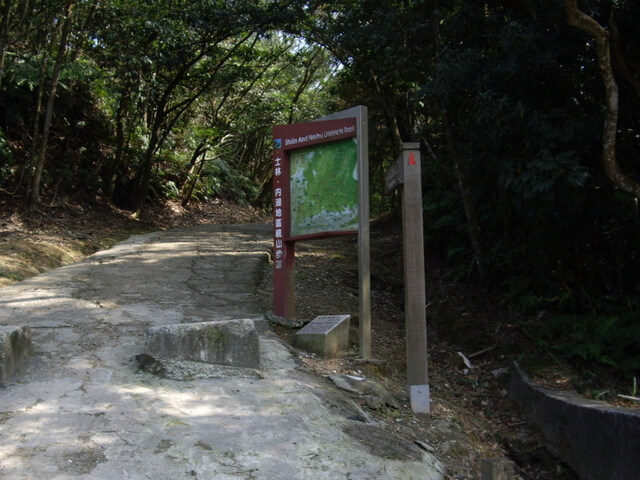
{"x":407,"y":172}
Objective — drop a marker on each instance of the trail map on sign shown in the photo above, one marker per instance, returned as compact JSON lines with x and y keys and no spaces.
{"x":324,"y":188}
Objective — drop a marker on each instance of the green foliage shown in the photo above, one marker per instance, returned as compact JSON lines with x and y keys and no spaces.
{"x":218,"y":179}
{"x":503,"y":94}
{"x":79,"y":129}
{"x":6,"y":160}
{"x":509,"y":96}
{"x":170,"y":190}
{"x":226,"y":182}
{"x":530,"y":150}
{"x":609,"y":341}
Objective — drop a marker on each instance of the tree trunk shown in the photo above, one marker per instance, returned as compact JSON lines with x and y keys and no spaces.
{"x":309,"y":70}
{"x":577,"y":18}
{"x":199,"y":150}
{"x":620,"y":65}
{"x":144,"y":175}
{"x":4,"y":35}
{"x":464,"y":185}
{"x":392,"y":120}
{"x":194,"y":181}
{"x":114,"y":166}
{"x":475,"y":232}
{"x":34,"y":194}
{"x":35,"y":132}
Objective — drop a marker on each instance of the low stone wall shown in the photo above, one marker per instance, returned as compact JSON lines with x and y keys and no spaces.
{"x":599,"y":441}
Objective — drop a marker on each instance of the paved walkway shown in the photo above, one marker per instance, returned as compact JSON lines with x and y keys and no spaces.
{"x":81,"y":409}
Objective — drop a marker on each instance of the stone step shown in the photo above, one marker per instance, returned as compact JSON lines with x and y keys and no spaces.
{"x":230,"y":342}
{"x":15,"y":346}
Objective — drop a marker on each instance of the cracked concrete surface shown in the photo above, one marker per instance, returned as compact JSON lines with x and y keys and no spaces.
{"x":79,"y":408}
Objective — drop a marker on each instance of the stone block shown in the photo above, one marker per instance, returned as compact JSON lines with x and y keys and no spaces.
{"x":229,"y":342}
{"x":15,"y":346}
{"x":325,"y":335}
{"x":497,"y":469}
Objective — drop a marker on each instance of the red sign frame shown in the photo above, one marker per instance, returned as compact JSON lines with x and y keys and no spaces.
{"x":286,"y":139}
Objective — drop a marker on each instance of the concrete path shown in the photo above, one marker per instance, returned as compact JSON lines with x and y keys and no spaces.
{"x":80,"y":408}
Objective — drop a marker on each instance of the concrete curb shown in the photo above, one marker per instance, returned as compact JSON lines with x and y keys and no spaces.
{"x":597,"y":440}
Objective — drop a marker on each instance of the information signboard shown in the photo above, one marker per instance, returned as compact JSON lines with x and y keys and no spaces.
{"x":315,"y":179}
{"x":320,"y":189}
{"x":324,"y":188}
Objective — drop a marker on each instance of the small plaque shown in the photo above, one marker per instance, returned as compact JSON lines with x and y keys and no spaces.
{"x":325,"y":335}
{"x":324,"y":323}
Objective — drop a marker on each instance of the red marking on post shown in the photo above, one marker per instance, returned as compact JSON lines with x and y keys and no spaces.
{"x":412,"y":159}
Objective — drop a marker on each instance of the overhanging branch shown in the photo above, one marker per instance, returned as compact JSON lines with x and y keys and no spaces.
{"x":579,"y":19}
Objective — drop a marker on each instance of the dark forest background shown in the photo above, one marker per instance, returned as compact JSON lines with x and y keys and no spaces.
{"x":528,"y":115}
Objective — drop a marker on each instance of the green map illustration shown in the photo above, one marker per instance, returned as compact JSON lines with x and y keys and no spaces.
{"x":324,"y":188}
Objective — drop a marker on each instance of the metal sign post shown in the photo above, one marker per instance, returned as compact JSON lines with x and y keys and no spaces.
{"x":360,"y":113}
{"x":407,"y":172}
